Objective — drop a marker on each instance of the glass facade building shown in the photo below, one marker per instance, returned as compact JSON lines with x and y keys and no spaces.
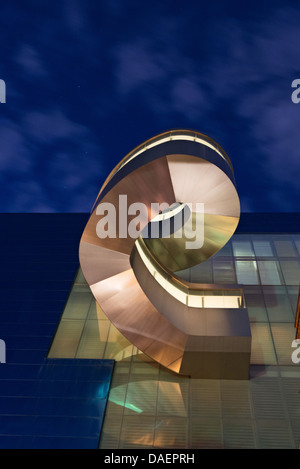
{"x":145,"y":405}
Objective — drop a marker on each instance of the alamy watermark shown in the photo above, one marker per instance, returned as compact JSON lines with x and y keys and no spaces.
{"x":295,"y":96}
{"x":2,"y":91}
{"x":296,"y":353}
{"x":2,"y":351}
{"x":160,"y":220}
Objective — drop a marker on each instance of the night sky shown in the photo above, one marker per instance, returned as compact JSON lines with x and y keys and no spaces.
{"x":88,"y":80}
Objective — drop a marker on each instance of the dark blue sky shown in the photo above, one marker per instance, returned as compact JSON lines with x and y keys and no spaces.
{"x":88,"y":80}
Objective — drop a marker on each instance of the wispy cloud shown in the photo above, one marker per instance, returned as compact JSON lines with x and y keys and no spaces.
{"x":15,"y":151}
{"x":53,"y":125}
{"x":28,"y":58}
{"x":86,"y":81}
{"x":137,"y":65}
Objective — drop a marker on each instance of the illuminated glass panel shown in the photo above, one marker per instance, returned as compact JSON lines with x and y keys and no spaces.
{"x":223,"y":271}
{"x":78,"y":303}
{"x":262,"y":348}
{"x":93,"y":339}
{"x":246,"y":272}
{"x":283,"y":335}
{"x":242,"y":249}
{"x":67,"y":337}
{"x":80,"y":278}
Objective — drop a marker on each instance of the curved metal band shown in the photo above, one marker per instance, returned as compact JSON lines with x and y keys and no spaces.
{"x":169,"y":148}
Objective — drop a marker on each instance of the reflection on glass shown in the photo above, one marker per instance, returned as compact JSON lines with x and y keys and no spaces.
{"x":283,"y":335}
{"x":80,"y":278}
{"x":242,"y":248}
{"x":285,"y":248}
{"x":195,"y":298}
{"x":226,"y":250}
{"x":262,"y":348}
{"x":291,"y":271}
{"x":255,"y":303}
{"x":202,"y":273}
{"x":223,"y":271}
{"x":78,"y":303}
{"x":263,"y":248}
{"x":269,"y":272}
{"x":246,"y":272}
{"x":67,"y":337}
{"x":293,"y":292}
{"x":278,"y":304}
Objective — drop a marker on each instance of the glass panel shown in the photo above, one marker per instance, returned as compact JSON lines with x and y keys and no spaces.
{"x":66,"y":338}
{"x":224,"y":271}
{"x":95,"y":312}
{"x":93,"y":340}
{"x":255,"y":304}
{"x":202,"y":273}
{"x":172,"y":398}
{"x":117,"y":347}
{"x":285,"y":248}
{"x":242,"y":249}
{"x":263,"y":248}
{"x":278,"y":304}
{"x":226,"y":250}
{"x":297,"y":242}
{"x":80,"y":278}
{"x":78,"y":303}
{"x":291,"y":272}
{"x":141,"y":398}
{"x":283,"y":335}
{"x":293,"y":295}
{"x":184,"y":274}
{"x":246,"y":272}
{"x":269,"y":272}
{"x":262,"y":349}
{"x":172,"y":428}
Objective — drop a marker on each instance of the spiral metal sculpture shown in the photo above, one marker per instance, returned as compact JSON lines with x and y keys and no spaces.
{"x":190,"y":328}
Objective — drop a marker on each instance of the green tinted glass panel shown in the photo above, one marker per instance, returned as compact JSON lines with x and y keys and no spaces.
{"x":291,"y":271}
{"x":269,"y":272}
{"x":278,"y":304}
{"x":223,"y":271}
{"x":246,"y":272}
{"x":285,"y":248}
{"x":242,"y":249}
{"x":263,"y":248}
